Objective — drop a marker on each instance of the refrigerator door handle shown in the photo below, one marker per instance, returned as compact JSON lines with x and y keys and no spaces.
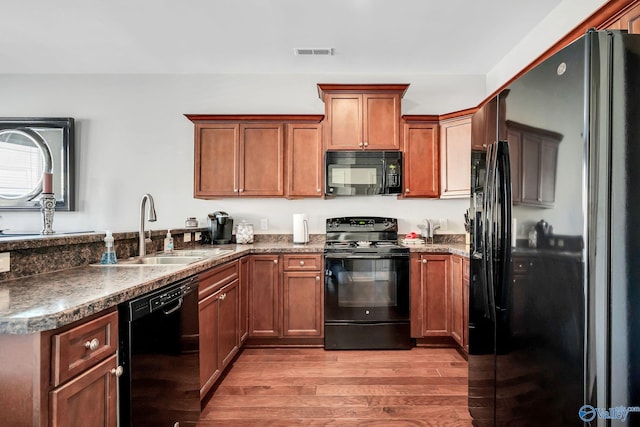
{"x":503,"y":182}
{"x":488,"y":233}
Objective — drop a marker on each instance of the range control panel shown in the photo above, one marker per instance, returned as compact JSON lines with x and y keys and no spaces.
{"x":364,"y":223}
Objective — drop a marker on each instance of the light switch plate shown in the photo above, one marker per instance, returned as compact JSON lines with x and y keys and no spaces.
{"x":5,"y":262}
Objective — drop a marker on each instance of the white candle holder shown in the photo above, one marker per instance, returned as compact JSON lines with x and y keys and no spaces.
{"x":48,"y":207}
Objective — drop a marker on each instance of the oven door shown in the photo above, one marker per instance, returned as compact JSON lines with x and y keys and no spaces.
{"x":366,"y":288}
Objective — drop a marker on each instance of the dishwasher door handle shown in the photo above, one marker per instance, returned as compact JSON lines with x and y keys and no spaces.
{"x":174,"y":309}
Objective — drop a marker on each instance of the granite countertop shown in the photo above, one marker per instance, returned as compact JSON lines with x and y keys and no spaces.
{"x":51,"y":300}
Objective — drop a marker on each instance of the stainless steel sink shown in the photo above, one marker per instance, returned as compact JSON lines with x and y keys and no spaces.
{"x":179,"y":257}
{"x":164,"y":260}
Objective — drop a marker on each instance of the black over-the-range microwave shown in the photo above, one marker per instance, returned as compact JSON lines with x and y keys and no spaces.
{"x":362,"y":173}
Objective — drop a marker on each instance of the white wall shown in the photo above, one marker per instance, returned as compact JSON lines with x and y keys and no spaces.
{"x":132,"y":138}
{"x":566,"y":16}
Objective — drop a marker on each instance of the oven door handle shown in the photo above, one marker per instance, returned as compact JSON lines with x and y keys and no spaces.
{"x":354,"y":256}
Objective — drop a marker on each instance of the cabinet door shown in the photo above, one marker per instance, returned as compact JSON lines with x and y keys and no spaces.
{"x":630,"y":21}
{"x":430,"y":284}
{"x":261,"y":159}
{"x":208,"y":322}
{"x":228,"y":336}
{"x":264,"y":296}
{"x":421,"y":160}
{"x":457,"y":325}
{"x":343,"y":121}
{"x":88,"y":400}
{"x":216,"y":160}
{"x":455,"y":158}
{"x":304,"y":160}
{"x":302,"y":305}
{"x":465,"y":304}
{"x":243,"y":300}
{"x":381,"y":121}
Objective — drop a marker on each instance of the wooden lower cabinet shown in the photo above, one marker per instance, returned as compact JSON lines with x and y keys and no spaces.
{"x":87,"y":400}
{"x":264,"y":296}
{"x":286,"y":296}
{"x":303,"y":300}
{"x":218,"y":318}
{"x":430,"y":296}
{"x":243,"y":300}
{"x":457,"y":300}
{"x":62,"y":377}
{"x":440,"y":298}
{"x":465,"y":304}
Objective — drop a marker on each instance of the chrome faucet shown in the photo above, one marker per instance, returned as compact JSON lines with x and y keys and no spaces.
{"x":142,"y":242}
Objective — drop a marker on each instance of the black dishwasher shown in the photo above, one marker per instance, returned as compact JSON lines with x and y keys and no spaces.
{"x":160,"y":385}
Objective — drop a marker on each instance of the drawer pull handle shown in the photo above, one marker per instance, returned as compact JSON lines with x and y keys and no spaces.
{"x":92,"y":345}
{"x":117,"y":371}
{"x":301,"y":262}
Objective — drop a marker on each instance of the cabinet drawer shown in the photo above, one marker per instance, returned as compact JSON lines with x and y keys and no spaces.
{"x":213,"y":279}
{"x":302,"y":262}
{"x":521,"y":265}
{"x":83,"y":346}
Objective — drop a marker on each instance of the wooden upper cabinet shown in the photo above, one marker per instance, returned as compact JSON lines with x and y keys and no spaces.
{"x":362,"y":116}
{"x":629,"y":21}
{"x":455,"y":157}
{"x":261,"y":154}
{"x":244,"y":155}
{"x":421,"y":158}
{"x":215,"y":145}
{"x":304,"y":160}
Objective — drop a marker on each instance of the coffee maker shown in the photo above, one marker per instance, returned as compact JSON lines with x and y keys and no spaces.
{"x":220,"y":227}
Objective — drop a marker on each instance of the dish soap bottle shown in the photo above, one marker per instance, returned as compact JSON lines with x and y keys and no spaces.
{"x":168,"y":242}
{"x":109,"y":254}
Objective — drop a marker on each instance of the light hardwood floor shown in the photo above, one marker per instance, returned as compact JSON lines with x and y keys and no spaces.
{"x":314,"y":387}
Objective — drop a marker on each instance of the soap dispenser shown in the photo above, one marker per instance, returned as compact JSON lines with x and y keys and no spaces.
{"x":168,"y":242}
{"x":109,"y":254}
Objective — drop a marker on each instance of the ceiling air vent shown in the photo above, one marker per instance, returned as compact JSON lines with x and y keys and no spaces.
{"x":313,"y":52}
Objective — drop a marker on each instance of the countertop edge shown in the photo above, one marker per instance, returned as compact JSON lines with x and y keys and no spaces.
{"x":49,"y":320}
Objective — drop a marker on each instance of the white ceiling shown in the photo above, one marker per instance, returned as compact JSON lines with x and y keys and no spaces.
{"x":259,"y":36}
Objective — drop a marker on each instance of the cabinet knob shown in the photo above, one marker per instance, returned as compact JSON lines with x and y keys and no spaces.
{"x":366,"y":144}
{"x":406,"y":190}
{"x":424,"y":261}
{"x":317,"y":190}
{"x":318,"y":278}
{"x":93,"y":344}
{"x":361,"y":144}
{"x":223,"y":296}
{"x":301,"y":262}
{"x":275,"y":261}
{"x":117,"y":371}
{"x":240,"y":190}
{"x":235,"y":190}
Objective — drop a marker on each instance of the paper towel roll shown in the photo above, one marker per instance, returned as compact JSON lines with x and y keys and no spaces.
{"x":300,"y":228}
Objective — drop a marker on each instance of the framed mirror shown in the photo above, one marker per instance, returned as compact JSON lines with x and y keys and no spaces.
{"x":29,"y":147}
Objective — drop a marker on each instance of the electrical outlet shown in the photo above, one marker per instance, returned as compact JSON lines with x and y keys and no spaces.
{"x":5,"y":262}
{"x":186,"y":238}
{"x":197,"y":236}
{"x":444,"y":224}
{"x":264,"y":224}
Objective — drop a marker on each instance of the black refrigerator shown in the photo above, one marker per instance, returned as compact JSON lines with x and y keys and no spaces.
{"x":554,"y":297}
